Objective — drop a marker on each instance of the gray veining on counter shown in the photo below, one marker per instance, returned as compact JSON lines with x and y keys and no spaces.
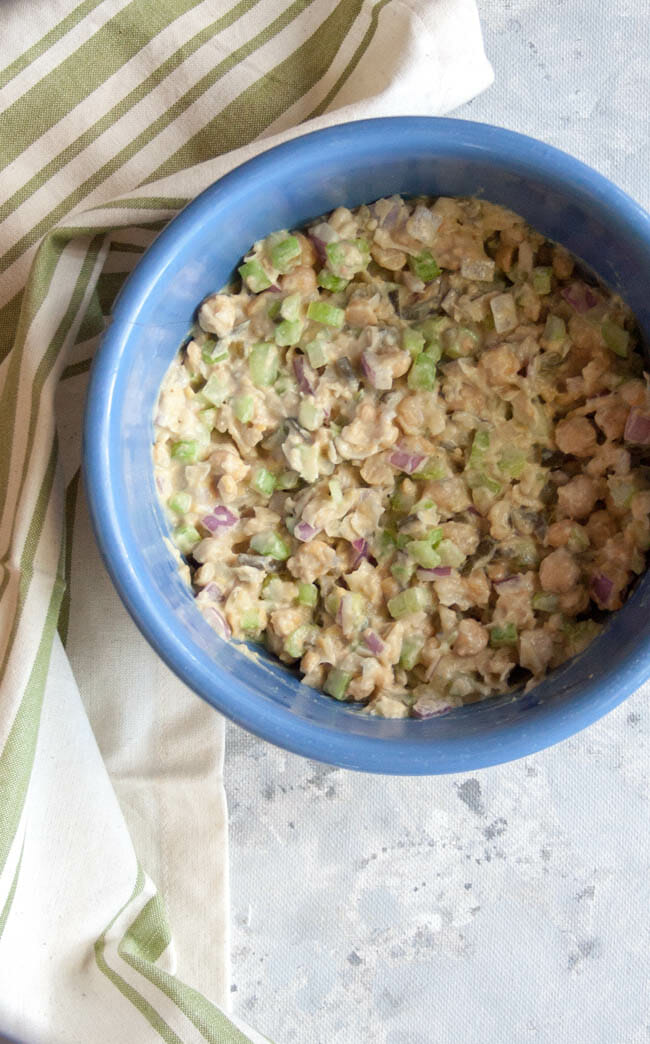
{"x":506,"y":906}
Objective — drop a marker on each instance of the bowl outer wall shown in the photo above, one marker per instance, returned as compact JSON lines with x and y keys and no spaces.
{"x":286,"y":186}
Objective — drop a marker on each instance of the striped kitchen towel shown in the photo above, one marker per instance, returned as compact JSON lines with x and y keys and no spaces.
{"x":113,"y":113}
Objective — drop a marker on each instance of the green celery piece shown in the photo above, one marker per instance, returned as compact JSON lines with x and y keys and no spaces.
{"x":432,"y":471}
{"x":307,"y":594}
{"x":185,"y":450}
{"x":288,"y":332}
{"x":542,"y":282}
{"x":214,"y":391}
{"x":410,"y":654}
{"x":422,"y":374}
{"x":480,"y":446}
{"x":450,"y":554}
{"x":254,"y":276}
{"x":413,"y":600}
{"x":402,"y":569}
{"x":460,"y":342}
{"x":545,"y":603}
{"x":185,"y":537}
{"x":288,"y":480}
{"x":251,"y":621}
{"x":295,"y":644}
{"x":424,"y":266}
{"x":336,"y":683}
{"x":316,"y":354}
{"x":433,"y":329}
{"x":284,"y":253}
{"x":332,"y":282}
{"x":290,"y":307}
{"x":555,"y":328}
{"x":243,"y":408}
{"x":263,"y":364}
{"x":512,"y":462}
{"x":214,"y":353}
{"x":506,"y":635}
{"x":412,"y":341}
{"x":273,"y":310}
{"x":310,"y":416}
{"x":616,"y":338}
{"x":268,"y":542}
{"x":180,"y":502}
{"x":329,"y":315}
{"x":264,"y":482}
{"x":578,"y":540}
{"x":480,"y":480}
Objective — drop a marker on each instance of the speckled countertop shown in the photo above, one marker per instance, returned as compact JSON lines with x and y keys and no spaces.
{"x":507,"y":906}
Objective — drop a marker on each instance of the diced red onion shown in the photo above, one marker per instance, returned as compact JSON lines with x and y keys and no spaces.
{"x":433,"y":574}
{"x":602,"y":587}
{"x":429,"y":711}
{"x":471,"y":510}
{"x":274,"y":289}
{"x":389,"y":219}
{"x":367,"y":367}
{"x":637,"y":428}
{"x":220,"y":517}
{"x":319,"y":246}
{"x":512,"y":581}
{"x":580,"y":296}
{"x":361,"y":548}
{"x":304,"y":375}
{"x":374,"y":643}
{"x":211,"y":591}
{"x":303,"y":531}
{"x":218,"y":621}
{"x":408,"y":462}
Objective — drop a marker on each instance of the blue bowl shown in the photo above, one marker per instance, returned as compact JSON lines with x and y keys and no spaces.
{"x":286,"y":186}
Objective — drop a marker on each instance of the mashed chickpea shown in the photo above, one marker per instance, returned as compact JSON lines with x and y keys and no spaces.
{"x":406,"y":452}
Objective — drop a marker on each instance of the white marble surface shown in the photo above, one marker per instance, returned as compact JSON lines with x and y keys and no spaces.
{"x":510,"y":905}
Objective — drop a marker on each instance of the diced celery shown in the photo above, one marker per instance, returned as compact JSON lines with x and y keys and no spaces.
{"x":251,"y":621}
{"x":295,"y":644}
{"x":432,"y":329}
{"x":423,"y":553}
{"x":185,"y":450}
{"x":254,"y":276}
{"x":263,"y":364}
{"x":214,"y":391}
{"x":315,"y":353}
{"x":290,"y":307}
{"x":273,"y":589}
{"x":287,"y":480}
{"x":412,"y":341}
{"x":506,"y":635}
{"x":433,"y":470}
{"x":214,"y":353}
{"x":185,"y":537}
{"x":243,"y":408}
{"x":180,"y":502}
{"x":422,"y":375}
{"x":268,"y":542}
{"x":332,"y":282}
{"x":413,"y":600}
{"x":621,"y":490}
{"x":512,"y":462}
{"x":329,"y":315}
{"x":480,"y":480}
{"x":208,"y":417}
{"x":333,"y":600}
{"x":346,"y":258}
{"x":555,"y":328}
{"x":434,"y":536}
{"x":284,"y":253}
{"x":310,"y":416}
{"x":410,"y":654}
{"x":402,"y":569}
{"x":616,"y":338}
{"x":480,"y":446}
{"x":273,"y":310}
{"x":542,"y":283}
{"x":288,"y":332}
{"x":424,"y":266}
{"x":450,"y":554}
{"x":307,"y":593}
{"x":354,"y":613}
{"x":264,"y":481}
{"x":402,"y":502}
{"x":433,"y":350}
{"x":578,"y":540}
{"x":336,"y":683}
{"x":545,"y":603}
{"x":524,"y":553}
{"x":460,"y":342}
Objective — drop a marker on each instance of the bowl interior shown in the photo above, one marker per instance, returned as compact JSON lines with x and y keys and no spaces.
{"x":194,"y":256}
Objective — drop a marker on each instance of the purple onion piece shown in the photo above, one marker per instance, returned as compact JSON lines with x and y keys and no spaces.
{"x":368,"y":369}
{"x":580,"y":296}
{"x":373,"y":642}
{"x":303,"y":531}
{"x":433,"y":574}
{"x":361,"y":551}
{"x":211,"y":591}
{"x":390,"y":219}
{"x":304,"y":375}
{"x":512,"y":581}
{"x":602,"y":588}
{"x":637,"y":428}
{"x":408,"y":462}
{"x":221,"y":517}
{"x":319,"y":246}
{"x":218,"y":622}
{"x":429,"y":711}
{"x":471,"y":510}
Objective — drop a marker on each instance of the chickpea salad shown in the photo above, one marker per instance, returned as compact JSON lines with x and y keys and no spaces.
{"x":408,"y":451}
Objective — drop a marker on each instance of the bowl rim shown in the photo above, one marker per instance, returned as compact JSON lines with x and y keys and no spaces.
{"x":540,"y":726}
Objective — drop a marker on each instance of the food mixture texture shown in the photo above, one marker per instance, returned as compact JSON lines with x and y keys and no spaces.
{"x":407,"y":453}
